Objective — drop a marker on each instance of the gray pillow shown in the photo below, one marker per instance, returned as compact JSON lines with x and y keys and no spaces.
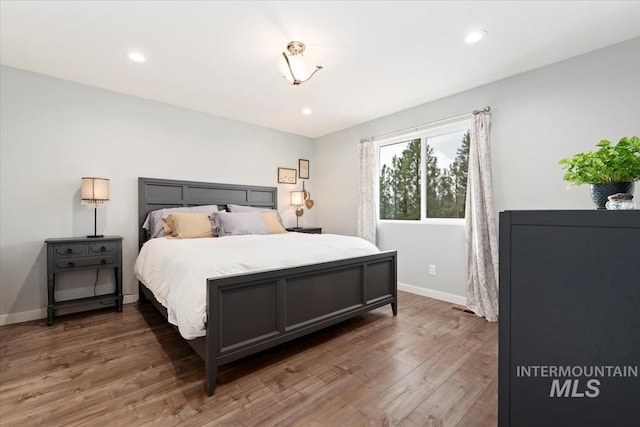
{"x":242,"y":208}
{"x":153,"y":223}
{"x":238,"y":223}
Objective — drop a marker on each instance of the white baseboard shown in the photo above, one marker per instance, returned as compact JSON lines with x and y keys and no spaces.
{"x":430,"y":293}
{"x":25,"y":316}
{"x":128,"y":299}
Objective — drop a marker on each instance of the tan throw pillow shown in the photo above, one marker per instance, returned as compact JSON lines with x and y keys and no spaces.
{"x":168,"y":232}
{"x":188,"y":225}
{"x":272,"y":222}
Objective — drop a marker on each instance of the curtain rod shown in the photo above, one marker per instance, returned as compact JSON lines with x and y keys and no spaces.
{"x":415,"y":128}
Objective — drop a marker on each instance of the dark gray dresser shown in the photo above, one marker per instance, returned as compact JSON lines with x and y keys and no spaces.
{"x":569,"y":326}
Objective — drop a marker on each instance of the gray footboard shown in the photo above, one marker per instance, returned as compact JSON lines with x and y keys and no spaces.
{"x":249,"y":313}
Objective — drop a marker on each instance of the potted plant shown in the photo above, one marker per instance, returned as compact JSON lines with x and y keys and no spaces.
{"x":611,"y":169}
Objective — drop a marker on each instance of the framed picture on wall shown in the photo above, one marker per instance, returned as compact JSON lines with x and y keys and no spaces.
{"x":287,"y":176}
{"x":303,"y":168}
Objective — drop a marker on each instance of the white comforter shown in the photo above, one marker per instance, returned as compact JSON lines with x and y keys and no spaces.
{"x":175,"y":270}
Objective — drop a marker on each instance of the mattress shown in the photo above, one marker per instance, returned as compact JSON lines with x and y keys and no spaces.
{"x":176,"y":270}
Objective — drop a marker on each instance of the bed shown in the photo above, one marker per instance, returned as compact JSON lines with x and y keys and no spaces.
{"x":278,"y":299}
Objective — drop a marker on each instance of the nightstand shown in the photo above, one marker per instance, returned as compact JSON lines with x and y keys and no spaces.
{"x":308,"y":230}
{"x":81,"y":253}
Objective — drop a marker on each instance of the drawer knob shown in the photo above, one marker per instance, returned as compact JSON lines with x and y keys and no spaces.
{"x":103,"y":262}
{"x":72,"y":264}
{"x":69,"y":251}
{"x":103,"y":249}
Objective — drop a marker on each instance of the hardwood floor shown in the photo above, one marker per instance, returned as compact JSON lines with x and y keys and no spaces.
{"x":429,"y":366}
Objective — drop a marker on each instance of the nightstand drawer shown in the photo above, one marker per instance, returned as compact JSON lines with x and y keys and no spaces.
{"x":103,"y":248}
{"x":69,"y":264}
{"x":69,"y":249}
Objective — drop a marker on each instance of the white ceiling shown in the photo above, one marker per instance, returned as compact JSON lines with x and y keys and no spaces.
{"x":379,"y":57}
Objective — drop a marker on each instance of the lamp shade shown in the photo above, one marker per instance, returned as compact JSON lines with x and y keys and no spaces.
{"x":94,"y":191}
{"x":297,"y":198}
{"x":298,"y":69}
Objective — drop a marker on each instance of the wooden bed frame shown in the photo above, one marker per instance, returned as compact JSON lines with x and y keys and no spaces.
{"x":248,"y":313}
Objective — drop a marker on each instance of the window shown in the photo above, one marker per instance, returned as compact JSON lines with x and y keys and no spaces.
{"x":424,"y":175}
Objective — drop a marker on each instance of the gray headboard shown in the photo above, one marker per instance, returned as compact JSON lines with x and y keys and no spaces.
{"x":156,"y":193}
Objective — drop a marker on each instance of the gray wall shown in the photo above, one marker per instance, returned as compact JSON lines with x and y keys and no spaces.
{"x":53,"y":132}
{"x":537,"y":118}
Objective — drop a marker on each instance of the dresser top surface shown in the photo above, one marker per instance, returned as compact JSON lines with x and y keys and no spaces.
{"x":577,"y":218}
{"x":82,"y":239}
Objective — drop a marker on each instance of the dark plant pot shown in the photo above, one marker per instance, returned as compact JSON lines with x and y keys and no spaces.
{"x":600,"y":192}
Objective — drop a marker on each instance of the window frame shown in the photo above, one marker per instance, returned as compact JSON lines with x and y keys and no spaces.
{"x":423,"y":134}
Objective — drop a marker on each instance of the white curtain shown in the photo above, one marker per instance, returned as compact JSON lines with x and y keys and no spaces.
{"x":481,"y":233}
{"x":366,"y":221}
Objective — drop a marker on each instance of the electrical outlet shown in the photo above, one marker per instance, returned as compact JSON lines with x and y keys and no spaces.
{"x":432,"y":269}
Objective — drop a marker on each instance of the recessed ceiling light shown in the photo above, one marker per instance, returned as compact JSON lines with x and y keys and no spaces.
{"x":136,"y":57}
{"x":306,"y":111}
{"x":475,"y":36}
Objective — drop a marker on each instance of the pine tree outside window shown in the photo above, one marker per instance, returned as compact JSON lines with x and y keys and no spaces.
{"x":424,"y":175}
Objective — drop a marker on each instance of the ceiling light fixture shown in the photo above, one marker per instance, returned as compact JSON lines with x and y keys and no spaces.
{"x":475,"y":36}
{"x":296,"y":67}
{"x":306,"y":111}
{"x":136,"y":57}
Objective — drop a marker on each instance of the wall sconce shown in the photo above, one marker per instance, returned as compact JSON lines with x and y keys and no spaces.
{"x":297,"y":68}
{"x":94,"y":192}
{"x":297,"y":200}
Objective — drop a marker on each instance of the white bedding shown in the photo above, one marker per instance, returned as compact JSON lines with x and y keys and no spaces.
{"x":175,"y":270}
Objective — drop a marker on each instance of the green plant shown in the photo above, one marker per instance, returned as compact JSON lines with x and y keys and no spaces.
{"x":610,"y":163}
